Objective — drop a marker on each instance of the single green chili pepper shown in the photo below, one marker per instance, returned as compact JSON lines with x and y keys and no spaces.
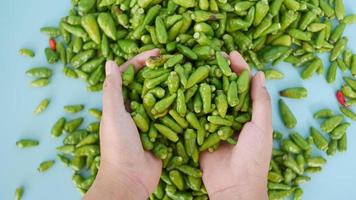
{"x":161,"y":32}
{"x":289,"y":162}
{"x":45,"y":166}
{"x":329,"y":124}
{"x":57,"y":128}
{"x":170,"y":123}
{"x":221,"y":104}
{"x":75,"y":30}
{"x":167,"y":132}
{"x":72,"y":125}
{"x":107,"y":25}
{"x":174,"y":60}
{"x":210,"y":141}
{"x":225,"y":133}
{"x":82,"y":57}
{"x":87,"y":150}
{"x":289,"y":146}
{"x":190,"y":141}
{"x":189,"y":170}
{"x":85,"y":6}
{"x":316,"y":27}
{"x":73,"y":108}
{"x":351,"y":82}
{"x":39,"y":72}
{"x":93,"y":127}
{"x":276,"y":135}
{"x":277,"y":194}
{"x":289,"y":175}
{"x":177,"y":179}
{"x":141,"y":122}
{"x":19,"y":193}
{"x":299,"y":140}
{"x":350,"y":19}
{"x":27,"y":52}
{"x":197,"y":76}
{"x":69,"y":72}
{"x":41,"y":106}
{"x":77,"y":164}
{"x":185,"y":4}
{"x":347,"y":57}
{"x":331,"y":75}
{"x":205,"y":93}
{"x":339,"y":47}
{"x":129,"y":75}
{"x":51,"y":56}
{"x":243,"y":81}
{"x":328,"y":10}
{"x":300,"y":35}
{"x":332,"y":148}
{"x":272,"y":74}
{"x":27,"y":143}
{"x":342,"y":144}
{"x":219,"y":120}
{"x":313,"y":170}
{"x":275,"y":177}
{"x":272,"y":53}
{"x":348,"y":113}
{"x":51,"y":32}
{"x":41,"y":82}
{"x":278,"y":186}
{"x":90,"y":25}
{"x":323,"y":113}
{"x":75,"y":137}
{"x":178,"y":118}
{"x":311,"y":68}
{"x":319,"y":140}
{"x":339,"y":131}
{"x":187,"y":52}
{"x":93,"y":64}
{"x":301,"y":179}
{"x":317,"y":161}
{"x":232,"y":94}
{"x":287,"y":116}
{"x":337,"y":33}
{"x":295,"y":93}
{"x":223,"y":64}
{"x":339,"y":9}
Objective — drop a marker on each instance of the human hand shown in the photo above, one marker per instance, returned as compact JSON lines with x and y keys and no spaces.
{"x":126,"y":170}
{"x":240,"y":172}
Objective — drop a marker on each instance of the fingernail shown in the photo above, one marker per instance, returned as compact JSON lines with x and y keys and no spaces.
{"x":262,"y":78}
{"x":109,"y":68}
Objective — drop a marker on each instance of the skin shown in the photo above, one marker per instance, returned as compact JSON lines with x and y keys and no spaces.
{"x":128,"y":172}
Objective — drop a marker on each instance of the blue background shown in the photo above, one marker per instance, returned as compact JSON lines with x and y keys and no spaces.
{"x":20,"y":21}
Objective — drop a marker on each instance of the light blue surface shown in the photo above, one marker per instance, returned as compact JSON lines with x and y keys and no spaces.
{"x":20,"y":21}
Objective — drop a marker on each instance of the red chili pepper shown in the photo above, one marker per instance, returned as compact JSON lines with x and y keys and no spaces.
{"x":52,"y":44}
{"x":340,"y":98}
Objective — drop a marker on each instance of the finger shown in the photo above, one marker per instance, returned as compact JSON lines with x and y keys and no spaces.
{"x":261,"y":103}
{"x":139,"y":60}
{"x":113,"y":102}
{"x":238,"y":63}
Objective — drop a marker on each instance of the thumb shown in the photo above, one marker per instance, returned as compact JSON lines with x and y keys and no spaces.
{"x":255,"y":139}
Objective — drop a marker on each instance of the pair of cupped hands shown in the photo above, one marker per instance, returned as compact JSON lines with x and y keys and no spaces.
{"x":128,"y":172}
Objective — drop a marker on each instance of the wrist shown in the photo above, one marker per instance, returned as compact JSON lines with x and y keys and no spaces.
{"x":240,"y":192}
{"x":107,"y":187}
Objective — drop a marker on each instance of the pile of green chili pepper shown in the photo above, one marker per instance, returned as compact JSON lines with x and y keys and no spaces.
{"x":188,"y":100}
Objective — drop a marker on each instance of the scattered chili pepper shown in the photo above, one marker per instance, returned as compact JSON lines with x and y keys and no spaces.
{"x":52,"y":44}
{"x":341,"y":98}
